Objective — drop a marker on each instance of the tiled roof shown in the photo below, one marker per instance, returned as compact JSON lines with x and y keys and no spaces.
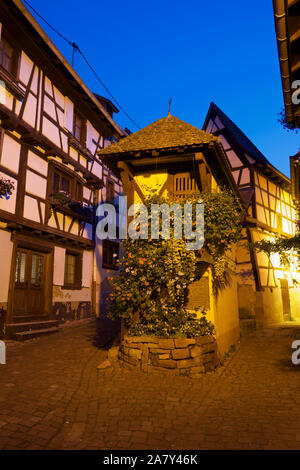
{"x":239,"y":135}
{"x":167,"y":133}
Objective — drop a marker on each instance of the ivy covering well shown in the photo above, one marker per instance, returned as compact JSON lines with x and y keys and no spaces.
{"x":150,"y":293}
{"x":223,"y":229}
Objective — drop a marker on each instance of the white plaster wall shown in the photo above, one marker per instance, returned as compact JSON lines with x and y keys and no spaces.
{"x":226,"y":316}
{"x":97,"y":170}
{"x":34,"y":84}
{"x":31,"y":210}
{"x":25,"y":68}
{"x":87,"y":267}
{"x":36,"y":184}
{"x":59,"y":97}
{"x":48,"y":86}
{"x":30,"y":110}
{"x":10,"y":157}
{"x":37,"y":163}
{"x":6,"y":247}
{"x":295,"y":302}
{"x":49,"y":107}
{"x":51,"y":131}
{"x":64,"y":295}
{"x":6,"y":98}
{"x":59,"y":266}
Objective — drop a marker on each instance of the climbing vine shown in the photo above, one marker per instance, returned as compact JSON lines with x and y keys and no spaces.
{"x":150,"y":294}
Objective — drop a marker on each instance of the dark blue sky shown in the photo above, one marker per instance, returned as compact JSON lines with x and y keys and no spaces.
{"x":194,"y":51}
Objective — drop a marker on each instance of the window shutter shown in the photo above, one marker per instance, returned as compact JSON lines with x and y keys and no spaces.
{"x":69,"y":114}
{"x":89,"y":135}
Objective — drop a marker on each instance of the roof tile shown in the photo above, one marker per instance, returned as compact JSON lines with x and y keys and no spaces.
{"x":165,"y":133}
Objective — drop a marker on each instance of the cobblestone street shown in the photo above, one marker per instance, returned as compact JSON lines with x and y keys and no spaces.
{"x":52,"y":396}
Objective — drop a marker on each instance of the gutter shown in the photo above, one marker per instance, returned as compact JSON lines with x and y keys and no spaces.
{"x":280,"y":17}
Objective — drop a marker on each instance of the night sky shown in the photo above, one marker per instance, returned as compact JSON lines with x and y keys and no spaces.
{"x":193,"y":51}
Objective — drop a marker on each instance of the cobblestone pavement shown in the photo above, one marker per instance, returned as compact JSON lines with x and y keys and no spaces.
{"x":52,"y":396}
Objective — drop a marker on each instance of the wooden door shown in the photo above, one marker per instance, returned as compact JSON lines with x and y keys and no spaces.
{"x":29,"y":300}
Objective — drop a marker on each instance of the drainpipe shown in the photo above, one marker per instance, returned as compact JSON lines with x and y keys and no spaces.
{"x":280,"y":14}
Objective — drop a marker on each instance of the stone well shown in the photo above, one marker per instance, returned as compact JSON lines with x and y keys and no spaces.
{"x":185,"y":356}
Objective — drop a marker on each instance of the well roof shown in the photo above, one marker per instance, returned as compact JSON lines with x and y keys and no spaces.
{"x":166,"y":133}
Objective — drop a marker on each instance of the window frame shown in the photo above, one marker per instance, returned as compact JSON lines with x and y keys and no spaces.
{"x":78,"y":270}
{"x":76,"y":186}
{"x":83,"y":122}
{"x":109,"y":244}
{"x":13,"y":72}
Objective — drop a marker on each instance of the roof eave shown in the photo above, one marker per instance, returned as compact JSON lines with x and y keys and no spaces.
{"x":283,"y":44}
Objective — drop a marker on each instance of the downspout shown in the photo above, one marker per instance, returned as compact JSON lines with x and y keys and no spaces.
{"x":280,"y":15}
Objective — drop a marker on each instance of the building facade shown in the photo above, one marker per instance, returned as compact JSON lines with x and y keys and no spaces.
{"x":268,"y":291}
{"x":51,"y":128}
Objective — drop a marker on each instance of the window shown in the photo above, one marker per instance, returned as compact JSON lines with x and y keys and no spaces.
{"x":110,"y":254}
{"x":184,"y":184}
{"x":73,"y":267}
{"x":61,"y":182}
{"x":6,"y":55}
{"x":79,"y":128}
{"x":64,"y":182}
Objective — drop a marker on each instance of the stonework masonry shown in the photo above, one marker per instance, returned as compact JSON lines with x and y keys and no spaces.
{"x":179,"y":356}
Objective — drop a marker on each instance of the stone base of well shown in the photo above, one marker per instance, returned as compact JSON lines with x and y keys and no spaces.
{"x":185,"y":356}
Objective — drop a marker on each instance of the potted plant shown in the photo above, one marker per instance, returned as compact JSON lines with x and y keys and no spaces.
{"x":6,"y":188}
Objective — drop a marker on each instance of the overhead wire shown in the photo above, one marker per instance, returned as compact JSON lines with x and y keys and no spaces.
{"x":77,"y":48}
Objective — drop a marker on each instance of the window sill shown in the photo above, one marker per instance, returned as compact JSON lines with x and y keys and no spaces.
{"x":71,"y":213}
{"x":112,"y":267}
{"x":72,"y":287}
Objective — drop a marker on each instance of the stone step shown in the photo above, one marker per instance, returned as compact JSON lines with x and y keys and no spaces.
{"x":24,"y":335}
{"x":14,"y":328}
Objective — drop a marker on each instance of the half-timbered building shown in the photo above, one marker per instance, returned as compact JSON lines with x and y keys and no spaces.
{"x":51,"y":128}
{"x":268,"y":291}
{"x":175,"y":159}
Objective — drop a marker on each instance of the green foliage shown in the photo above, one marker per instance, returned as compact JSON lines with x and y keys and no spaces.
{"x":150,"y":293}
{"x":151,"y":287}
{"x":222,"y":213}
{"x":185,"y":325}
